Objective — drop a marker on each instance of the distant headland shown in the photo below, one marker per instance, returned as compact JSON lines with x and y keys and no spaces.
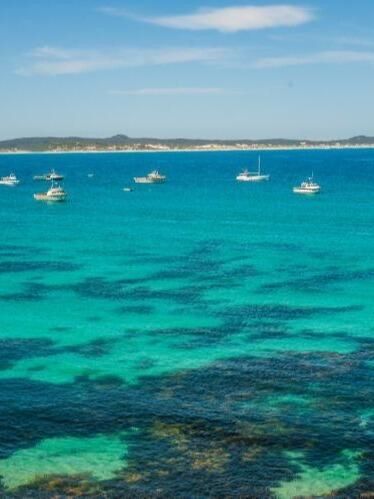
{"x":123,"y":143}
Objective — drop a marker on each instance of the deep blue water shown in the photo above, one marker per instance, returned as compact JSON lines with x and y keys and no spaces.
{"x":198,"y":338}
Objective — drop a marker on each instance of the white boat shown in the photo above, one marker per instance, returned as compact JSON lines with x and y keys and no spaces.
{"x":9,"y":180}
{"x":307,"y":187}
{"x":127,"y":189}
{"x":247,"y":176}
{"x":55,"y":194}
{"x":152,"y":178}
{"x":51,"y":176}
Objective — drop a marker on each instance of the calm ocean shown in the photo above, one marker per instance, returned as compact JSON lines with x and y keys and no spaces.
{"x":198,"y":338}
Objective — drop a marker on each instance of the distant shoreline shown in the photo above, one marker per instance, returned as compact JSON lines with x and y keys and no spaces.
{"x":205,"y":149}
{"x":124,"y":144}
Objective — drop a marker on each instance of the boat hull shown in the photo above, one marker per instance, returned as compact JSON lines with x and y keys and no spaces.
{"x":9,"y":184}
{"x":54,"y":178}
{"x":299,"y":190}
{"x":257,"y":178}
{"x":48,"y":178}
{"x":145,"y":180}
{"x":50,"y":199}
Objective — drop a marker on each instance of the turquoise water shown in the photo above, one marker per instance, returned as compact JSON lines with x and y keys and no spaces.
{"x":201,"y":337}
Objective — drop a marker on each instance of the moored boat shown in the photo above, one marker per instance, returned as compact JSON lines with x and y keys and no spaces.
{"x":307,"y":187}
{"x":10,"y":180}
{"x":152,"y":178}
{"x":247,"y":176}
{"x":51,"y":176}
{"x":55,"y":194}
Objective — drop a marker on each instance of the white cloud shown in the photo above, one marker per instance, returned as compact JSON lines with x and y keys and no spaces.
{"x":327,"y":57}
{"x":46,"y":51}
{"x":57,"y":61}
{"x":115,"y":11}
{"x":352,"y":40}
{"x":230,"y":19}
{"x":170,"y":91}
{"x":322,"y":39}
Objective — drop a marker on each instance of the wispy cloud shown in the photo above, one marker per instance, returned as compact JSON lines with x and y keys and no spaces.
{"x":327,"y":57}
{"x":170,"y":91}
{"x":58,"y":61}
{"x":354,"y":40}
{"x":322,"y":38}
{"x":229,"y":19}
{"x":52,"y":52}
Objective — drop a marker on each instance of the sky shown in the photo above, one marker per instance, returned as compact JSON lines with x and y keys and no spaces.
{"x":196,"y":69}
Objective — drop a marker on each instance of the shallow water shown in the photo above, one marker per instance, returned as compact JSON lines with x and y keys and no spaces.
{"x":200,"y":337}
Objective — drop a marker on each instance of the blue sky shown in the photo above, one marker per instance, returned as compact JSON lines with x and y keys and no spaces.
{"x":202,"y":68}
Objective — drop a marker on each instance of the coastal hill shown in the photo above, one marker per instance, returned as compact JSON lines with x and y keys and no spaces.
{"x":124,"y":143}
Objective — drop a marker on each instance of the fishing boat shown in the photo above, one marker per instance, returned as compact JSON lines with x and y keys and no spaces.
{"x":307,"y":187}
{"x":10,"y":180}
{"x":152,"y":178}
{"x":54,"y":194}
{"x":247,"y":176}
{"x":50,"y":177}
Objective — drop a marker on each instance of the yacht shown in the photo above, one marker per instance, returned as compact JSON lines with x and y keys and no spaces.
{"x":9,"y":180}
{"x":51,"y":176}
{"x":152,"y":178}
{"x":307,"y":187}
{"x":54,"y":194}
{"x":247,"y":176}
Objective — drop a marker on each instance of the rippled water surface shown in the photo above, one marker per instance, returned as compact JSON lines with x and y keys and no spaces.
{"x":198,"y":338}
